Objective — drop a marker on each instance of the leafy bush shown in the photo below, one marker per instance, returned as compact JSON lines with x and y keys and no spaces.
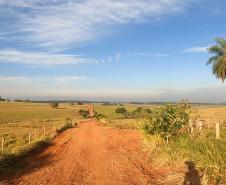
{"x":167,"y":120}
{"x":1,"y":99}
{"x":141,"y":112}
{"x":68,"y":124}
{"x":121,"y":110}
{"x":80,"y":103}
{"x":54,"y":105}
{"x":99,"y":116}
{"x":83,"y":113}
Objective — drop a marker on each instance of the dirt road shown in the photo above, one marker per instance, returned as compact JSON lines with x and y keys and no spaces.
{"x":90,"y":155}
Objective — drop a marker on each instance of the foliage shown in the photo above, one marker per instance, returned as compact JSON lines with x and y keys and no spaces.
{"x":167,"y":120}
{"x":218,"y":61}
{"x":141,"y":112}
{"x":54,"y":105}
{"x":83,"y":113}
{"x":80,"y":103}
{"x":123,"y":111}
{"x":1,"y":99}
{"x":18,"y":100}
{"x":68,"y":124}
{"x":99,"y":116}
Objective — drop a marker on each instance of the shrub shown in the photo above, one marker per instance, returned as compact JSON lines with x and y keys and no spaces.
{"x":68,"y":124}
{"x":71,"y":103}
{"x":83,"y":113}
{"x":54,"y":105}
{"x":80,"y":103}
{"x":123,"y":111}
{"x":100,"y":116}
{"x":168,"y":120}
{"x":1,"y":99}
{"x":141,"y":112}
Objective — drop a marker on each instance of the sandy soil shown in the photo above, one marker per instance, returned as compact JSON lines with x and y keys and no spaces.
{"x":90,"y":155}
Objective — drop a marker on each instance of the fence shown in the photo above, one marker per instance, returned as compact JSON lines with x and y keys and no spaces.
{"x":208,"y":126}
{"x":19,"y":135}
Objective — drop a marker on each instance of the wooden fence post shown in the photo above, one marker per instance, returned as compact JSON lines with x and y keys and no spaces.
{"x":2,"y":144}
{"x":200,"y":127}
{"x":44,"y":130}
{"x":217,"y":130}
{"x":29,"y":137}
{"x":35,"y":133}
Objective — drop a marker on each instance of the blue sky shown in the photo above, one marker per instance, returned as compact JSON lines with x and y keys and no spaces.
{"x":115,"y":50}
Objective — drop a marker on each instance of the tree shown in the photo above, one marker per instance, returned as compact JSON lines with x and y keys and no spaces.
{"x":121,"y":110}
{"x":1,"y":99}
{"x":83,"y":113}
{"x":54,"y":105}
{"x":218,"y":60}
{"x":167,"y":120}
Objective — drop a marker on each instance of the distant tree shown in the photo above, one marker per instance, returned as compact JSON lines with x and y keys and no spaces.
{"x":121,"y":110}
{"x":80,"y":103}
{"x":218,"y":61}
{"x":18,"y":100}
{"x":54,"y":105}
{"x":83,"y":113}
{"x":1,"y":99}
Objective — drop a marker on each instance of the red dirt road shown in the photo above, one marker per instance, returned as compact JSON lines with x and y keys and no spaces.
{"x":90,"y":155}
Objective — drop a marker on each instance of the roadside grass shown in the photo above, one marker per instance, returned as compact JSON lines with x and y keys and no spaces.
{"x":121,"y":123}
{"x":10,"y":158}
{"x":207,"y":153}
{"x":28,"y":127}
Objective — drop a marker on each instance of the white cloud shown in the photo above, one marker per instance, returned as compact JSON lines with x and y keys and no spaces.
{"x":13,"y":79}
{"x":40,"y":79}
{"x":109,"y":59}
{"x":117,"y":57}
{"x":59,"y":24}
{"x":65,"y":79}
{"x":41,"y":58}
{"x":197,"y":49}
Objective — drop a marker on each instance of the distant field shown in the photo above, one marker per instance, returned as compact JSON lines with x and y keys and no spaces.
{"x":109,"y":110}
{"x":212,"y":112}
{"x":21,"y":122}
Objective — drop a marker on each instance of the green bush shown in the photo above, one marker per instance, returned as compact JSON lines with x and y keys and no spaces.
{"x":167,"y":120}
{"x":83,"y":113}
{"x":54,"y":105}
{"x":123,"y":111}
{"x":141,"y":112}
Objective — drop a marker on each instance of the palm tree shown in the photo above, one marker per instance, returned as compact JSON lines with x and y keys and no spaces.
{"x":218,"y":61}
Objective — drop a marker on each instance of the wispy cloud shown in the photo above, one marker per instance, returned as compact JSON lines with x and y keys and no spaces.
{"x":42,"y":58}
{"x":61,"y":24}
{"x":197,"y":49}
{"x":41,"y":79}
{"x":65,"y":79}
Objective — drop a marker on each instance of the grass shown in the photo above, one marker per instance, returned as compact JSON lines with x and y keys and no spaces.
{"x":207,"y":153}
{"x":27,"y":127}
{"x":19,"y":120}
{"x":109,"y":111}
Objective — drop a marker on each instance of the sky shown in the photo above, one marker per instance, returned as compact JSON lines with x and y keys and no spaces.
{"x":110,"y":50}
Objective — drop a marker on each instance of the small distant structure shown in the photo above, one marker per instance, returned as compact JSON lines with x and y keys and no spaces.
{"x":91,"y":111}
